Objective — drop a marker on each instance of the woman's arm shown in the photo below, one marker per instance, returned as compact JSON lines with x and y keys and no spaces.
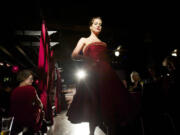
{"x":38,"y":101}
{"x":75,"y":54}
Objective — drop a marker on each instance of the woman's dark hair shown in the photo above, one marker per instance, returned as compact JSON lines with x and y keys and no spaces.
{"x":23,"y":75}
{"x":92,"y":20}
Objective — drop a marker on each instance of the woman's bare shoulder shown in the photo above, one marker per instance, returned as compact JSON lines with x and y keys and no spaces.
{"x":83,"y":39}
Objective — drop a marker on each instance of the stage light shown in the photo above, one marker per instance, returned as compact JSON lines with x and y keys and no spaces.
{"x":174,"y":54}
{"x":37,"y":82}
{"x":81,"y":74}
{"x":116,"y":53}
{"x":15,"y":69}
{"x":1,"y":64}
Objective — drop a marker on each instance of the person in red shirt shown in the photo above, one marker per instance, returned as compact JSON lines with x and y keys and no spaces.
{"x":25,"y":105}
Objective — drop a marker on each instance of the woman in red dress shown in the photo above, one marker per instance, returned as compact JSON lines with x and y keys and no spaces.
{"x":101,"y":96}
{"x":25,"y":105}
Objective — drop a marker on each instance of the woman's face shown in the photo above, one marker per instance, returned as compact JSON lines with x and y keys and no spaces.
{"x":96,"y":26}
{"x":136,"y":77}
{"x":29,"y":80}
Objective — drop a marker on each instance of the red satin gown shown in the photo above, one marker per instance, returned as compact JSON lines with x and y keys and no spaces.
{"x":101,"y":96}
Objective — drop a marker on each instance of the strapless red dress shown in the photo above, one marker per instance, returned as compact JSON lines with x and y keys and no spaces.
{"x":101,"y":96}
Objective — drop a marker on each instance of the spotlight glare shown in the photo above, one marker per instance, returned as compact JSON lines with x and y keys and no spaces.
{"x":117,"y":53}
{"x":81,"y":74}
{"x":1,"y":63}
{"x":15,"y":69}
{"x":174,"y":54}
{"x":37,"y":82}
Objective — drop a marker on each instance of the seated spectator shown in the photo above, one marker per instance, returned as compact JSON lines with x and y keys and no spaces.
{"x":25,"y":105}
{"x":136,"y":85}
{"x":171,"y":89}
